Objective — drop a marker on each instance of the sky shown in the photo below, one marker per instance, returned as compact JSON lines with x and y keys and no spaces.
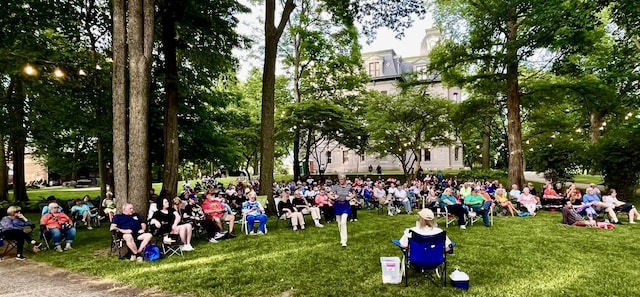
{"x":408,"y":46}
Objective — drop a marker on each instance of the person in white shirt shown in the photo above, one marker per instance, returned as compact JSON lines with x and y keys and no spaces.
{"x":380,"y":195}
{"x":425,"y":225}
{"x":618,"y":205}
{"x":401,"y":196}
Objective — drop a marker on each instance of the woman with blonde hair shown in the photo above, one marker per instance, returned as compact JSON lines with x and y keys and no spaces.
{"x":13,"y":227}
{"x":425,"y":225}
{"x":503,"y":200}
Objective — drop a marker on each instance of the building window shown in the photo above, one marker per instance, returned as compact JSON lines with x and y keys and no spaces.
{"x":345,"y":156}
{"x":361,"y":157}
{"x":374,"y":69}
{"x":328,"y":157}
{"x":455,"y":98}
{"x":456,"y":153}
{"x":421,"y":72}
{"x":426,"y":155}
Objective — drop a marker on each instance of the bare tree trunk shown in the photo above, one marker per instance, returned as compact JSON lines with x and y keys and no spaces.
{"x":4,"y":172}
{"x":272,"y":36}
{"x":516,"y":172}
{"x":596,"y":124}
{"x":170,"y":178}
{"x":486,"y":142}
{"x":140,"y":40}
{"x":296,"y":154}
{"x":102,"y":168}
{"x":18,"y":137}
{"x":119,"y":84}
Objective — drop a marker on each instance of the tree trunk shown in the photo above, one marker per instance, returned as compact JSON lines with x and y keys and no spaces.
{"x":4,"y":172}
{"x":140,"y":40}
{"x":18,"y":137}
{"x":119,"y":84}
{"x":516,"y":173}
{"x":272,"y":36}
{"x":296,"y":154}
{"x":170,"y":178}
{"x":102,"y":168}
{"x":486,"y":141}
{"x":307,"y":154}
{"x":596,"y":124}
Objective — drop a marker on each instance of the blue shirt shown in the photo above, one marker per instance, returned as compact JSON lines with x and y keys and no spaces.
{"x":590,"y":198}
{"x":255,"y":208}
{"x":128,"y":222}
{"x":444,"y":198}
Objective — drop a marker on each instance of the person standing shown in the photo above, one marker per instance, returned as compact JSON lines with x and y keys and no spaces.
{"x":341,"y":194}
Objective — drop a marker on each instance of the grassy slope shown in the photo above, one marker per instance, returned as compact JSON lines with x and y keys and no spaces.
{"x":532,"y":256}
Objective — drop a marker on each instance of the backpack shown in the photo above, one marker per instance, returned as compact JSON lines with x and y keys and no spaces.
{"x":151,"y":252}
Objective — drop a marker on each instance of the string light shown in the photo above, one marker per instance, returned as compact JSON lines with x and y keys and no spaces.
{"x":57,"y":72}
{"x":81,"y":72}
{"x":30,"y":70}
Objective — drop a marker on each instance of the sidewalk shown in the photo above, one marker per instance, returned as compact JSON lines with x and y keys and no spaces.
{"x":31,"y":278}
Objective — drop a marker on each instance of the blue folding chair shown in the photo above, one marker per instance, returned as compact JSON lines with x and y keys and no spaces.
{"x":426,"y":255}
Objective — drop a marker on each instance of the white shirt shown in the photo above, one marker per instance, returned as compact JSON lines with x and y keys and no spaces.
{"x":401,"y":194}
{"x":404,"y":241}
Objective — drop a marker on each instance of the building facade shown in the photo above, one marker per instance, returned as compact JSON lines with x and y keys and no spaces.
{"x":386,"y":70}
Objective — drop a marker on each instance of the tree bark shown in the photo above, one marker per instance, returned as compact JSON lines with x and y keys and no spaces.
{"x":18,"y":137}
{"x":296,"y":154}
{"x":171,"y":155}
{"x":516,"y":173}
{"x":119,"y":84}
{"x":102,"y":168}
{"x":486,"y":142}
{"x":140,"y":40}
{"x":272,"y":36}
{"x":596,"y":124}
{"x":4,"y":172}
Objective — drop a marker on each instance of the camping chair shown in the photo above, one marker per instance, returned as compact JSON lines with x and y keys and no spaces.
{"x":117,"y":243}
{"x":426,"y":255}
{"x":443,"y":212}
{"x":10,"y":245}
{"x":170,"y":249}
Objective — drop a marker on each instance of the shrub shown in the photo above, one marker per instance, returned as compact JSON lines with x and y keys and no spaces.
{"x":481,"y":174}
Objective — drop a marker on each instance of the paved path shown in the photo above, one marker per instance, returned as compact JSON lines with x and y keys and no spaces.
{"x":31,"y":278}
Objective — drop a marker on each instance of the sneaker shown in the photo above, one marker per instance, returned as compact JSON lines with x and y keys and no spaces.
{"x":262,"y":233}
{"x":632,"y":222}
{"x":231,"y":235}
{"x":218,"y":235}
{"x":319,"y":225}
{"x":133,"y":258}
{"x":167,"y":240}
{"x":213,"y":240}
{"x":139,"y":259}
{"x":351,"y":220}
{"x":463,"y":227}
{"x":66,"y":248}
{"x":355,"y":220}
{"x":58,"y":248}
{"x":344,"y":244}
{"x":20,"y":257}
{"x":186,"y":248}
{"x":253,"y":233}
{"x":89,"y":228}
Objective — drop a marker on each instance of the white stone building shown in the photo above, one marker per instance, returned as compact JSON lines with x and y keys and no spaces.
{"x":386,"y":69}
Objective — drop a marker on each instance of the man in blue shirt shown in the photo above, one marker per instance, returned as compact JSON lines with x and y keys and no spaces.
{"x":594,"y":201}
{"x":131,"y":225}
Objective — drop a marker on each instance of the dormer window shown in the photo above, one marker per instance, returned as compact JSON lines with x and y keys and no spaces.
{"x":374,"y":69}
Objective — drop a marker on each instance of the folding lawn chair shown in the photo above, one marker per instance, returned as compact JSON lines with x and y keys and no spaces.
{"x":9,"y":244}
{"x":427,"y":256}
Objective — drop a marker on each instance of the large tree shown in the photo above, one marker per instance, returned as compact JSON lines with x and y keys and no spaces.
{"x":130,"y":117}
{"x":502,"y":35}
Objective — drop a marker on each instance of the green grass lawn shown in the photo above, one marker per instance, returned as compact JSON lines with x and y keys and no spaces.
{"x":532,"y":256}
{"x":587,"y":179}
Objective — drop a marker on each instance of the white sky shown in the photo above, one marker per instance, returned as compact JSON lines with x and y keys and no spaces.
{"x":408,"y":46}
